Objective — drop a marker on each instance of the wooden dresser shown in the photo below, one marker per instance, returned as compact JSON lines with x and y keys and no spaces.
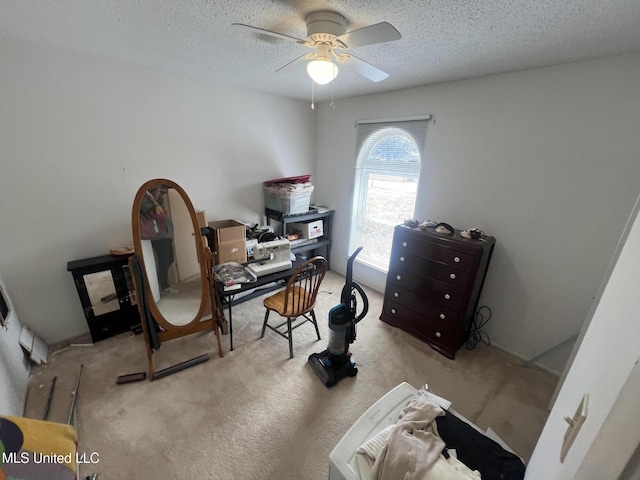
{"x":434,"y":284}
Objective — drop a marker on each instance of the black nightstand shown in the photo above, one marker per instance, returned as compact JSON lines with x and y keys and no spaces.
{"x":105,"y":292}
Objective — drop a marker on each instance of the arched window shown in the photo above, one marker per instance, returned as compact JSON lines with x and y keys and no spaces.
{"x":386,"y":184}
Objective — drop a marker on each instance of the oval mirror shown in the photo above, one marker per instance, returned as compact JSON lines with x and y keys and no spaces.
{"x":167,"y":239}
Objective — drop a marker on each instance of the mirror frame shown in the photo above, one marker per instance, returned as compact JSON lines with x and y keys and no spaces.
{"x":171,"y":330}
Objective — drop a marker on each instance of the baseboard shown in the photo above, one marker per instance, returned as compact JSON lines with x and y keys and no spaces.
{"x":524,"y":359}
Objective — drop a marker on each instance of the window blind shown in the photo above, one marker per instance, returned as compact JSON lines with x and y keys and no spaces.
{"x":380,"y":154}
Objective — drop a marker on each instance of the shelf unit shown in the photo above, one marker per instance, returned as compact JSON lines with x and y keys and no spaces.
{"x":323,"y":242}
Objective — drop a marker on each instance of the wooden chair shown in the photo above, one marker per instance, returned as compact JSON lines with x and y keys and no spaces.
{"x":297,"y":300}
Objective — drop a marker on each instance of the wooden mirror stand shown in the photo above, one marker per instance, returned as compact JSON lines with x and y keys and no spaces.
{"x":172,"y":271}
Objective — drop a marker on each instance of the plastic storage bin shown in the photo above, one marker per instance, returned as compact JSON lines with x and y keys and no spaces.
{"x":289,"y":198}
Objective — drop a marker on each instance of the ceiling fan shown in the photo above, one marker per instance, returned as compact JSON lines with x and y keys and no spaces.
{"x":327,"y":35}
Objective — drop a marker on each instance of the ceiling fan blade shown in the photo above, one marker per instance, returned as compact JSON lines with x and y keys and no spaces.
{"x":269,"y":32}
{"x":365,"y":69}
{"x":378,"y":33}
{"x":294,"y":64}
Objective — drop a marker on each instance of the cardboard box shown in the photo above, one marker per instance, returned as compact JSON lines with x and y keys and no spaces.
{"x":307,"y":230}
{"x":235,"y":251}
{"x":227,"y":231}
{"x":229,"y":241}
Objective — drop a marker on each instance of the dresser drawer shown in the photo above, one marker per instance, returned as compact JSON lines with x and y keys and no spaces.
{"x":421,"y":305}
{"x":424,"y":326}
{"x":429,"y":268}
{"x":404,"y":245}
{"x":425,"y":287}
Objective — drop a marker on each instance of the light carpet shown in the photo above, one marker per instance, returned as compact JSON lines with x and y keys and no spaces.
{"x":255,"y":413}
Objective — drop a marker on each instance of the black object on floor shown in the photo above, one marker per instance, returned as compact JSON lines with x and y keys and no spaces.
{"x":180,"y":366}
{"x":131,"y":377}
{"x":332,"y":368}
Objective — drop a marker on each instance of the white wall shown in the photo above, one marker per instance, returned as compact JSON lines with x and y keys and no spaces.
{"x":14,"y":366}
{"x":605,"y":367}
{"x":545,"y":160}
{"x":79,"y":135}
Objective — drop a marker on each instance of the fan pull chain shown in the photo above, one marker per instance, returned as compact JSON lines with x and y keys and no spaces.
{"x":313,"y":95}
{"x":332,"y":105}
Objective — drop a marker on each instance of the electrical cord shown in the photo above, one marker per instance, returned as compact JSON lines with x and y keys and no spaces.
{"x":476,"y":334}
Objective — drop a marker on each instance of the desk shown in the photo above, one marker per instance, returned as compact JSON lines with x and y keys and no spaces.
{"x":227,"y":296}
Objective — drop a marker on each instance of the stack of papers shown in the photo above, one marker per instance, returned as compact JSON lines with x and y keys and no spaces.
{"x":303,"y":241}
{"x":232,"y":275}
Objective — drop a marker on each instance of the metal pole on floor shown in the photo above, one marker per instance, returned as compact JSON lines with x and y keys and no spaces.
{"x":74,"y":396}
{"x":53,"y":386}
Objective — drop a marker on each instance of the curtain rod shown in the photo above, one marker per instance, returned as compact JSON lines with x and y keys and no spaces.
{"x":398,"y":119}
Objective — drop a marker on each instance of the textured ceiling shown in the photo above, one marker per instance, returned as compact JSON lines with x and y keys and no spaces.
{"x":442,"y":40}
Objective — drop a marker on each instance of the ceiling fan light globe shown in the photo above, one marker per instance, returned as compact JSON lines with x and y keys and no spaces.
{"x":322,"y":71}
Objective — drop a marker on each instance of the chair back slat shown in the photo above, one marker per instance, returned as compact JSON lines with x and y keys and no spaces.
{"x":303,"y":286}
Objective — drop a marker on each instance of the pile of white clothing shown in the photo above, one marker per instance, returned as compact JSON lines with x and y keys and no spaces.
{"x":412,"y":449}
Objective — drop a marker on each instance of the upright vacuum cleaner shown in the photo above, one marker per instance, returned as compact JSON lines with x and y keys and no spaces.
{"x":335,"y":362}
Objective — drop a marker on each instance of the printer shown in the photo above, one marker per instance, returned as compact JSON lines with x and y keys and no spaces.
{"x":270,"y":257}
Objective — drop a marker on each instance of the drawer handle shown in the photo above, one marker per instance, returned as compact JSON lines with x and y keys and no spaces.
{"x":398,"y":277}
{"x":396,"y":294}
{"x":442,"y":316}
{"x":456,"y":259}
{"x":393,"y":310}
{"x":438,"y":334}
{"x":447,"y":296}
{"x":452,"y":276}
{"x":404,"y":244}
{"x":402,"y":259}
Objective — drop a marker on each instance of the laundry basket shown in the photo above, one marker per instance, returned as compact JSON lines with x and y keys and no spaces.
{"x":342,"y":459}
